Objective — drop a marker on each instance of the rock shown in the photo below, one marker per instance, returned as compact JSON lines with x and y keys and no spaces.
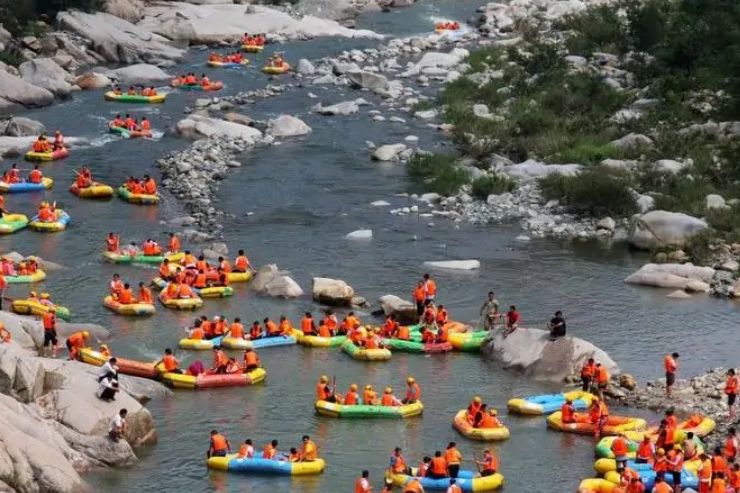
{"x":530,"y":352}
{"x":304,"y":67}
{"x":341,"y":68}
{"x":17,"y":93}
{"x":388,"y":152}
{"x":633,"y":142}
{"x":522,"y":238}
{"x":404,"y":311}
{"x":287,"y":126}
{"x":129,"y":10}
{"x":368,"y":80}
{"x":607,"y":223}
{"x":20,"y":126}
{"x":645,"y":203}
{"x":627,"y":381}
{"x":31,"y":42}
{"x":270,"y":281}
{"x":238,"y":118}
{"x":481,"y":111}
{"x":117,"y":40}
{"x":532,"y":170}
{"x":344,"y":108}
{"x":714,"y":201}
{"x":435,"y":59}
{"x":454,"y":264}
{"x":662,"y":228}
{"x":333,"y":292}
{"x":562,"y":8}
{"x":686,"y":277}
{"x":669,"y":166}
{"x":430,"y":198}
{"x":380,"y":203}
{"x":678,"y":294}
{"x":92,"y":80}
{"x":730,"y":265}
{"x":396,"y":119}
{"x":360,"y":234}
{"x":426,"y":115}
{"x":220,"y":248}
{"x":197,"y":126}
{"x":141,"y":73}
{"x":336,"y":10}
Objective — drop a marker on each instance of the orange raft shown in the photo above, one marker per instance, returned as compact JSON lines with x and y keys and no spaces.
{"x":613,"y":426}
{"x":125,"y":366}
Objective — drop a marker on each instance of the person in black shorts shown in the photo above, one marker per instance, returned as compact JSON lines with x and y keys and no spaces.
{"x":557,"y":326}
{"x":50,"y":333}
{"x":731,"y":389}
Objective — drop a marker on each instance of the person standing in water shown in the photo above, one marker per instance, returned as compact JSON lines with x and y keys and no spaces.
{"x":489,"y":311}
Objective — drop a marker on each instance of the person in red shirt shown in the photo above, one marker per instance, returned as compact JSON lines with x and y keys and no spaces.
{"x":670,"y":362}
{"x":512,"y":321}
{"x":731,"y":389}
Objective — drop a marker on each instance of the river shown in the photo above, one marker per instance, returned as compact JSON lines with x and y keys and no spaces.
{"x":293,"y":203}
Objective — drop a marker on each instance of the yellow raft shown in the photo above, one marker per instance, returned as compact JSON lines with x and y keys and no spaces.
{"x":198,"y":344}
{"x":136,"y":98}
{"x":603,"y":466}
{"x":95,"y":191}
{"x":460,"y":423}
{"x":252,"y":48}
{"x":131,"y":310}
{"x":240,"y":276}
{"x":27,"y":307}
{"x":614,"y":425}
{"x":181,"y":303}
{"x":212,"y":381}
{"x":276,"y":70}
{"x":362,"y":354}
{"x":597,"y":485}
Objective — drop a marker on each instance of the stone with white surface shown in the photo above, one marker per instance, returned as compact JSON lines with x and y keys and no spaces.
{"x":287,"y":126}
{"x":333,"y":292}
{"x":453,"y":264}
{"x":198,"y":126}
{"x":360,"y":234}
{"x":141,"y":73}
{"x":662,"y":228}
{"x":532,"y":170}
{"x":45,"y":73}
{"x":388,"y":152}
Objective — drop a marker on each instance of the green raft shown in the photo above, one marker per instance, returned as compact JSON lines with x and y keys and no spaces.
{"x":362,"y":411}
{"x":10,"y":223}
{"x":416,"y":346}
{"x":136,"y":259}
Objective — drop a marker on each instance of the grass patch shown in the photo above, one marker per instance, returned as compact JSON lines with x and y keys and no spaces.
{"x":497,"y":184}
{"x":595,"y":192}
{"x":437,"y":173}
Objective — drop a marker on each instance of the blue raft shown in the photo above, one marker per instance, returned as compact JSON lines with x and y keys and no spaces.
{"x":688,"y":479}
{"x":538,"y":405}
{"x":265,"y":466}
{"x":264,"y":342}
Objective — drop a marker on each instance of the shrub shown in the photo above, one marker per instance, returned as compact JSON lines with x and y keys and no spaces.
{"x":484,"y":186}
{"x":587,"y":151}
{"x":595,"y":192}
{"x":436,"y":173}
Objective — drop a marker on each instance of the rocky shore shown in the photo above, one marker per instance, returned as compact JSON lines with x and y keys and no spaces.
{"x":53,"y":427}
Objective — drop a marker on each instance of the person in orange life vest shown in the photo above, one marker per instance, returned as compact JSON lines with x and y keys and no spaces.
{"x":323,"y":391}
{"x":308,"y":449}
{"x":271,"y":328}
{"x":671,"y":422}
{"x":398,"y":464}
{"x":49,"y":321}
{"x":117,"y":121}
{"x":172,"y":291}
{"x":403,"y":333}
{"x":3,"y":210}
{"x":212,"y":57}
{"x":270,"y":451}
{"x":602,"y":379}
{"x":719,"y":484}
{"x":419,"y":296}
{"x":130,"y":181}
{"x":169,"y":362}
{"x":255,"y":331}
{"x":186,"y":292}
{"x":131,"y":91}
{"x":13,"y":175}
{"x":150,"y":186}
{"x":719,"y":463}
{"x":473,"y":408}
{"x":200,"y":281}
{"x":39,"y":144}
{"x":261,"y":39}
{"x":191,"y":80}
{"x":442,"y":334}
{"x":661,"y":486}
{"x":246,"y":38}
{"x":251,"y":360}
{"x":173,"y":246}
{"x":453,"y":458}
{"x":307,"y":325}
{"x":511,"y":320}
{"x":369,"y":397}
{"x":241,"y":264}
{"x":441,"y":316}
{"x":47,"y":213}
{"x":567,"y":412}
{"x":201,"y":264}
{"x":704,"y":473}
{"x":735,"y":477}
{"x":331,"y":321}
{"x":438,"y":467}
{"x":238,"y":58}
{"x":220,"y":326}
{"x":145,"y":91}
{"x":220,"y":360}
{"x":388,"y":399}
{"x":588,"y":371}
{"x":145,"y":124}
{"x":246,"y":451}
{"x":670,"y":363}
{"x":23,"y":268}
{"x":689,"y":446}
{"x":674,"y":457}
{"x":454,"y":488}
{"x":164,"y":271}
{"x":429,"y":319}
{"x":413,"y":486}
{"x":8,"y":269}
{"x":731,"y":445}
{"x":116,"y":285}
{"x":204,"y":81}
{"x":75,"y":342}
{"x":219,"y":446}
{"x":232,"y":367}
{"x":390,"y":326}
{"x":323,"y":330}
{"x":126,"y":296}
{"x":351,"y":398}
{"x":362,"y":484}
{"x":35,"y":176}
{"x":353,"y":320}
{"x":489,"y":464}
{"x":197,"y":333}
{"x":490,"y":420}
{"x":731,"y":389}
{"x":645,"y":451}
{"x":665,"y":434}
{"x":286,"y":327}
{"x":430,"y":289}
{"x":620,"y":449}
{"x":413,"y":391}
{"x":372,"y":341}
{"x":636,"y":486}
{"x":355,"y":336}
{"x":626,"y":475}
{"x":58,"y":141}
{"x":236,"y":330}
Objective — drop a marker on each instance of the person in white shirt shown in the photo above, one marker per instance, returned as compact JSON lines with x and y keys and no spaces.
{"x":108,"y":367}
{"x":117,"y":428}
{"x":108,"y":387}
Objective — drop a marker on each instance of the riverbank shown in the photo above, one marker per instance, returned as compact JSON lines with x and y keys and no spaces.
{"x":53,"y":427}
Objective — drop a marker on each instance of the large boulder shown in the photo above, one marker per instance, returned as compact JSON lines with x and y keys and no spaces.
{"x":687,"y":277}
{"x":287,"y":126}
{"x":388,"y":152}
{"x":141,"y":73}
{"x":197,"y":126}
{"x":336,"y":10}
{"x":333,"y":292}
{"x":271,"y":281}
{"x":530,"y":352}
{"x":129,"y":10}
{"x":17,"y":94}
{"x":531,"y":170}
{"x":20,"y":126}
{"x":92,"y":80}
{"x":404,"y":311}
{"x":117,"y":40}
{"x":436,"y":59}
{"x":663,"y":228}
{"x":368,"y":80}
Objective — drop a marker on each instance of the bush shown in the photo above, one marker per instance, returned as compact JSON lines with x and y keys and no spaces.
{"x":19,"y":16}
{"x":437,"y":173}
{"x":587,"y":151}
{"x":595,"y":192}
{"x":484,"y":186}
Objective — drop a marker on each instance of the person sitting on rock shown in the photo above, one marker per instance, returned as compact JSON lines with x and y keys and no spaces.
{"x":511,"y":323}
{"x":117,"y":429}
{"x":108,"y":387}
{"x":557,"y":326}
{"x":4,"y":334}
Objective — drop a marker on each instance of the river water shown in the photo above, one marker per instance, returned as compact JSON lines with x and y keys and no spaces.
{"x":293,"y":203}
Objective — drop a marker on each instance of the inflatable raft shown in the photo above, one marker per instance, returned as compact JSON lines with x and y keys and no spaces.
{"x":60,"y":224}
{"x":210,"y":292}
{"x":181,"y":303}
{"x":37,"y":276}
{"x":699,"y":425}
{"x":537,"y":405}
{"x":603,"y":466}
{"x":461,"y":424}
{"x":362,"y":411}
{"x":200,"y":344}
{"x":240,"y":276}
{"x":614,"y":425}
{"x":119,"y":258}
{"x":265,"y":466}
{"x":47,"y":156}
{"x":243,"y":344}
{"x":276,"y":70}
{"x":213,"y":381}
{"x":26,"y":186}
{"x":95,"y":191}
{"x":362,"y":354}
{"x":138,"y":198}
{"x":125,"y":366}
{"x":136,"y":98}
{"x":10,"y":223}
{"x":216,"y":64}
{"x":130,"y":134}
{"x":466,"y":480}
{"x":316,"y":341}
{"x":213,"y":86}
{"x":597,"y":485}
{"x":647,"y":475}
{"x":26,"y":307}
{"x":417,"y":347}
{"x":470,"y":342}
{"x":604,"y":447}
{"x":132,"y":310}
{"x":253,"y":48}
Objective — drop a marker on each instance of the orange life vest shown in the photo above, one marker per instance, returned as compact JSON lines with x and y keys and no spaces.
{"x":219,"y":443}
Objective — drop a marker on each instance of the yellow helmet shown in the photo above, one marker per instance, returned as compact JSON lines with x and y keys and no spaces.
{"x":103,"y":346}
{"x":85,"y":334}
{"x":324,"y":378}
{"x":410,"y":380}
{"x":370,"y":331}
{"x":388,"y":390}
{"x":661,"y":451}
{"x":477,"y":399}
{"x":44,"y":204}
{"x":44,"y":295}
{"x":353,"y":387}
{"x":32,"y":293}
{"x":493,"y":412}
{"x":368,"y":387}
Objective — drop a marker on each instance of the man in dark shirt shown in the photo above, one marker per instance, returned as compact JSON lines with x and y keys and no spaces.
{"x":557,"y":326}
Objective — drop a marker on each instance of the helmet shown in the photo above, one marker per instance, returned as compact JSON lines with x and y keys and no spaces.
{"x":410,"y":380}
{"x":370,"y":331}
{"x":388,"y":390}
{"x":85,"y":334}
{"x":661,"y":451}
{"x":477,"y":399}
{"x":44,"y":295}
{"x":324,"y":378}
{"x":57,"y":132}
{"x":353,"y":387}
{"x":32,"y":293}
{"x":368,"y":387}
{"x":493,"y":412}
{"x":44,"y":204}
{"x":103,"y":346}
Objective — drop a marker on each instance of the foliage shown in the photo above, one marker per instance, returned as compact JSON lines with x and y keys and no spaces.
{"x":595,"y":192}
{"x":436,"y":173}
{"x":19,"y":16}
{"x":484,"y":186}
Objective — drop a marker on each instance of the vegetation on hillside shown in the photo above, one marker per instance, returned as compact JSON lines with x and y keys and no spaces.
{"x":19,"y":16}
